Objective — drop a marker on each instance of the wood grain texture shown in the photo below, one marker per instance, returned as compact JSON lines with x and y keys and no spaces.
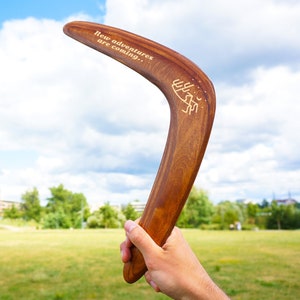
{"x":191,"y":98}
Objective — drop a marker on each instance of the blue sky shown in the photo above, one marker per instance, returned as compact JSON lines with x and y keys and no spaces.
{"x":74,"y":116}
{"x":57,"y":10}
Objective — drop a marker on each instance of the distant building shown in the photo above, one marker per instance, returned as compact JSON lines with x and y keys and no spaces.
{"x":138,"y":206}
{"x":288,"y":201}
{"x":6,"y":204}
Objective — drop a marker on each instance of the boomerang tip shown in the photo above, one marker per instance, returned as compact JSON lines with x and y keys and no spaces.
{"x":69,"y":28}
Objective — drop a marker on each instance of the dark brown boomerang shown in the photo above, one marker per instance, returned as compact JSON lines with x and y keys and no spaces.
{"x":191,"y":98}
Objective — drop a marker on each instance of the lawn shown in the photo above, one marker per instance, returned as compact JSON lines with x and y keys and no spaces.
{"x":85,"y":264}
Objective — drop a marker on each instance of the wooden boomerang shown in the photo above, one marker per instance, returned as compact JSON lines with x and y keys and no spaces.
{"x":192,"y":103}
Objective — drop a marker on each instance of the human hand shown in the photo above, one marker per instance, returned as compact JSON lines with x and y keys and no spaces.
{"x":173,"y":269}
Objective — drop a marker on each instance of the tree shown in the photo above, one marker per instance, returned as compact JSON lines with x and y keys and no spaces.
{"x":109,"y":217}
{"x":130,"y":213}
{"x":283,"y":217}
{"x":77,"y":209}
{"x":264,"y":203}
{"x":30,"y":206}
{"x":11,"y":213}
{"x":106,"y":217}
{"x":252,"y":210}
{"x":60,"y":198}
{"x":56,"y":220}
{"x":277,"y":215}
{"x":68,"y":207}
{"x":227,"y":213}
{"x":93,"y":222}
{"x":197,"y":211}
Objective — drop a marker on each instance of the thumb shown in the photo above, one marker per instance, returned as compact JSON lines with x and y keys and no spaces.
{"x":141,"y":239}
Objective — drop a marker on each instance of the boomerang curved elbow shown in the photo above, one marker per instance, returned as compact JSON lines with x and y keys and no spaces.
{"x":192,"y":102}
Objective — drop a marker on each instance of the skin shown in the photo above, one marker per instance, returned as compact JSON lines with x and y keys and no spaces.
{"x":172,"y":269}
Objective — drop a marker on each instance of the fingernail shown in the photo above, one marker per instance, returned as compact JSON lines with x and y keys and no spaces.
{"x":129,"y":225}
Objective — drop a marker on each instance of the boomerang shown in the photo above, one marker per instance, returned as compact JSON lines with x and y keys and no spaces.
{"x":192,"y":102}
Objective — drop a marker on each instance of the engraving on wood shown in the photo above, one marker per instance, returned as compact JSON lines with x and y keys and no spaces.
{"x":185,"y":91}
{"x":121,"y":47}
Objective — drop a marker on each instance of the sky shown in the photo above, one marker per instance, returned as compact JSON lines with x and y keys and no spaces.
{"x":71,"y":115}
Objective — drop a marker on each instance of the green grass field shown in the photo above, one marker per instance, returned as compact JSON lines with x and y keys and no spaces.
{"x":85,"y":264}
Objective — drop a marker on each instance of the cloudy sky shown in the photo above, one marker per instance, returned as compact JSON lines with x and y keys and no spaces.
{"x":71,"y":115}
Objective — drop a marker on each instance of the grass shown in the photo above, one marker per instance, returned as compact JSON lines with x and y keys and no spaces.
{"x":251,"y":265}
{"x":85,"y":264}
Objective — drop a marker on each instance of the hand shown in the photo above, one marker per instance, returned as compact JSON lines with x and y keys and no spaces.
{"x":172,"y":269}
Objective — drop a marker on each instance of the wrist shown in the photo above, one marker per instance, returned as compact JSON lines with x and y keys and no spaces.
{"x":204,"y":289}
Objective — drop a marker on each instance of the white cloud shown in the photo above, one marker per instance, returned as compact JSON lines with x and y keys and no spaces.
{"x":254,"y":144}
{"x":218,"y":35}
{"x":83,"y":113}
{"x":99,"y":128}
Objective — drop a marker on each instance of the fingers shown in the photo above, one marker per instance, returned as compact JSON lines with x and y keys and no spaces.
{"x":151,"y":282}
{"x":135,"y":235}
{"x":125,"y":250}
{"x":139,"y":237}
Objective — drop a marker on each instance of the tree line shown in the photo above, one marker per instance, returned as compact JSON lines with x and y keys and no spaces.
{"x":65,"y":209}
